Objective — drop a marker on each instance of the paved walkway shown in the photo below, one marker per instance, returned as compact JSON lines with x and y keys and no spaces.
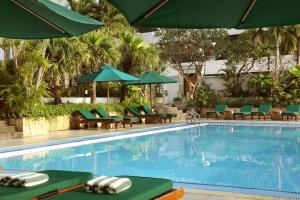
{"x":61,"y":135}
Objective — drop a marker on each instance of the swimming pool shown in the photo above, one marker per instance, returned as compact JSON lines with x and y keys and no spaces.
{"x":261,"y":158}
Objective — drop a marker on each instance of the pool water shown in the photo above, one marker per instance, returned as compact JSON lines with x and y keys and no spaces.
{"x":261,"y":157}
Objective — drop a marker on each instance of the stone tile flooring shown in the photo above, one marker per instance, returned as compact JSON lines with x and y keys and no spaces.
{"x":61,"y":135}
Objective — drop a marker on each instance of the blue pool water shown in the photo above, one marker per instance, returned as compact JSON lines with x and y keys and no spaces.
{"x":262,"y":157}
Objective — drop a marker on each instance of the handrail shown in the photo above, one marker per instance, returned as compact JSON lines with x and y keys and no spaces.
{"x":193,"y":116}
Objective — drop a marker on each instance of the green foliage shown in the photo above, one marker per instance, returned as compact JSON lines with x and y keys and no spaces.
{"x":206,"y":96}
{"x":50,"y":111}
{"x":135,"y":97}
{"x":260,"y":85}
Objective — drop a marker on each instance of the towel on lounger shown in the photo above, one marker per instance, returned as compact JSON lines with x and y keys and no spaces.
{"x":90,"y":185}
{"x":14,"y":178}
{"x":107,"y":185}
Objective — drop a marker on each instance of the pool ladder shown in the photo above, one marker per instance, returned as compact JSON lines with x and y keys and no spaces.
{"x":192,"y":117}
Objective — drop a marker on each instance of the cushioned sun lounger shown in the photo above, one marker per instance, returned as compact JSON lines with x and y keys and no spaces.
{"x":218,"y":111}
{"x":85,"y":116}
{"x":154,"y":116}
{"x":292,"y":111}
{"x":148,"y":110}
{"x":58,"y":181}
{"x":244,"y":111}
{"x":142,"y":189}
{"x":263,"y":110}
{"x":125,"y":120}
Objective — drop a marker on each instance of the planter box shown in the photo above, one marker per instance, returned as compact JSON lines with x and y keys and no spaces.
{"x":40,"y":126}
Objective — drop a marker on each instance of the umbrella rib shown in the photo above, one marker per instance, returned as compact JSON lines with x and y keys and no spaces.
{"x":38,"y":16}
{"x":151,"y":10}
{"x":246,"y":14}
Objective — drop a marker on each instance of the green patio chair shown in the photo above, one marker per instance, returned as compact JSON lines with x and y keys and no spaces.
{"x":156,"y":117}
{"x":85,"y":116}
{"x":219,"y":110}
{"x":148,"y":110}
{"x":58,"y":182}
{"x":292,"y":111}
{"x":142,"y":189}
{"x":263,"y":110}
{"x":244,"y":111}
{"x":125,"y":120}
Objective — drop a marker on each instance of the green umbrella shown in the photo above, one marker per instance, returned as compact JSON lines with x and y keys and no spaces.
{"x":150,"y":78}
{"x":210,"y":13}
{"x":107,"y":73}
{"x":39,"y":19}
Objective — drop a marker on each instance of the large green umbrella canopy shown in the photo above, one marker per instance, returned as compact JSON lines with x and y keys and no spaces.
{"x":150,"y":78}
{"x":39,"y":19}
{"x":107,"y":73}
{"x":209,"y":13}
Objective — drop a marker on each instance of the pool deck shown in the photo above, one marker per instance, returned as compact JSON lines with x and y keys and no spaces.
{"x":190,"y":194}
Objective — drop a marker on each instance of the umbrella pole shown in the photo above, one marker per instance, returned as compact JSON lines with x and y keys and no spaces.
{"x":107,"y":101}
{"x":150,"y":94}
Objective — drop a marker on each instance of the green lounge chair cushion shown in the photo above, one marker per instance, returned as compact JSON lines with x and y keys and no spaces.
{"x":141,"y":189}
{"x":139,"y":114}
{"x":134,"y":111}
{"x":292,"y":110}
{"x":242,"y":113}
{"x":263,"y":109}
{"x":90,"y":117}
{"x":130,"y":119}
{"x":148,"y":110}
{"x":245,"y":110}
{"x":290,"y":113}
{"x":103,"y":113}
{"x":171,"y":115}
{"x":57,"y":180}
{"x":220,"y":108}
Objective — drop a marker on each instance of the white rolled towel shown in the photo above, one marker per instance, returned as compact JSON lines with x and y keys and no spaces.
{"x":101,"y":187}
{"x":90,"y":185}
{"x":119,"y":185}
{"x":30,"y":180}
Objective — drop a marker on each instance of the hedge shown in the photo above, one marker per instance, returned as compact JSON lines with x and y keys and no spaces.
{"x":51,"y":111}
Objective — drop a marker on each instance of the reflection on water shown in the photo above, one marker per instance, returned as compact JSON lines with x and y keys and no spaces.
{"x":240,"y":156}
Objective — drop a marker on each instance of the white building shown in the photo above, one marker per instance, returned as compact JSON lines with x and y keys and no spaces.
{"x":212,"y":70}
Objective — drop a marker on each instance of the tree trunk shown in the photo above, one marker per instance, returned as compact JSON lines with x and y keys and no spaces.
{"x":277,"y":56}
{"x":94,"y":93}
{"x":57,"y":93}
{"x":6,"y":53}
{"x":123,"y":93}
{"x":298,"y":51}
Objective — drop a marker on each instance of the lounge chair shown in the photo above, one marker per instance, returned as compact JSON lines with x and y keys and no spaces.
{"x":219,"y":110}
{"x":292,"y":111}
{"x":244,"y":111}
{"x":142,"y":189}
{"x":263,"y":110}
{"x":85,"y":116}
{"x":148,"y":110}
{"x":59,"y":182}
{"x":155,"y":117}
{"x":125,"y":120}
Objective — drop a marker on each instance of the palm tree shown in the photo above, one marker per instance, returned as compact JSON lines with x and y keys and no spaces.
{"x":101,"y":50}
{"x":136,"y":56}
{"x":64,"y":57}
{"x":6,"y":45}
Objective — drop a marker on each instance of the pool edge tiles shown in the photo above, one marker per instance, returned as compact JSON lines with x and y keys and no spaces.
{"x":254,"y":123}
{"x":81,"y":141}
{"x":239,"y":192}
